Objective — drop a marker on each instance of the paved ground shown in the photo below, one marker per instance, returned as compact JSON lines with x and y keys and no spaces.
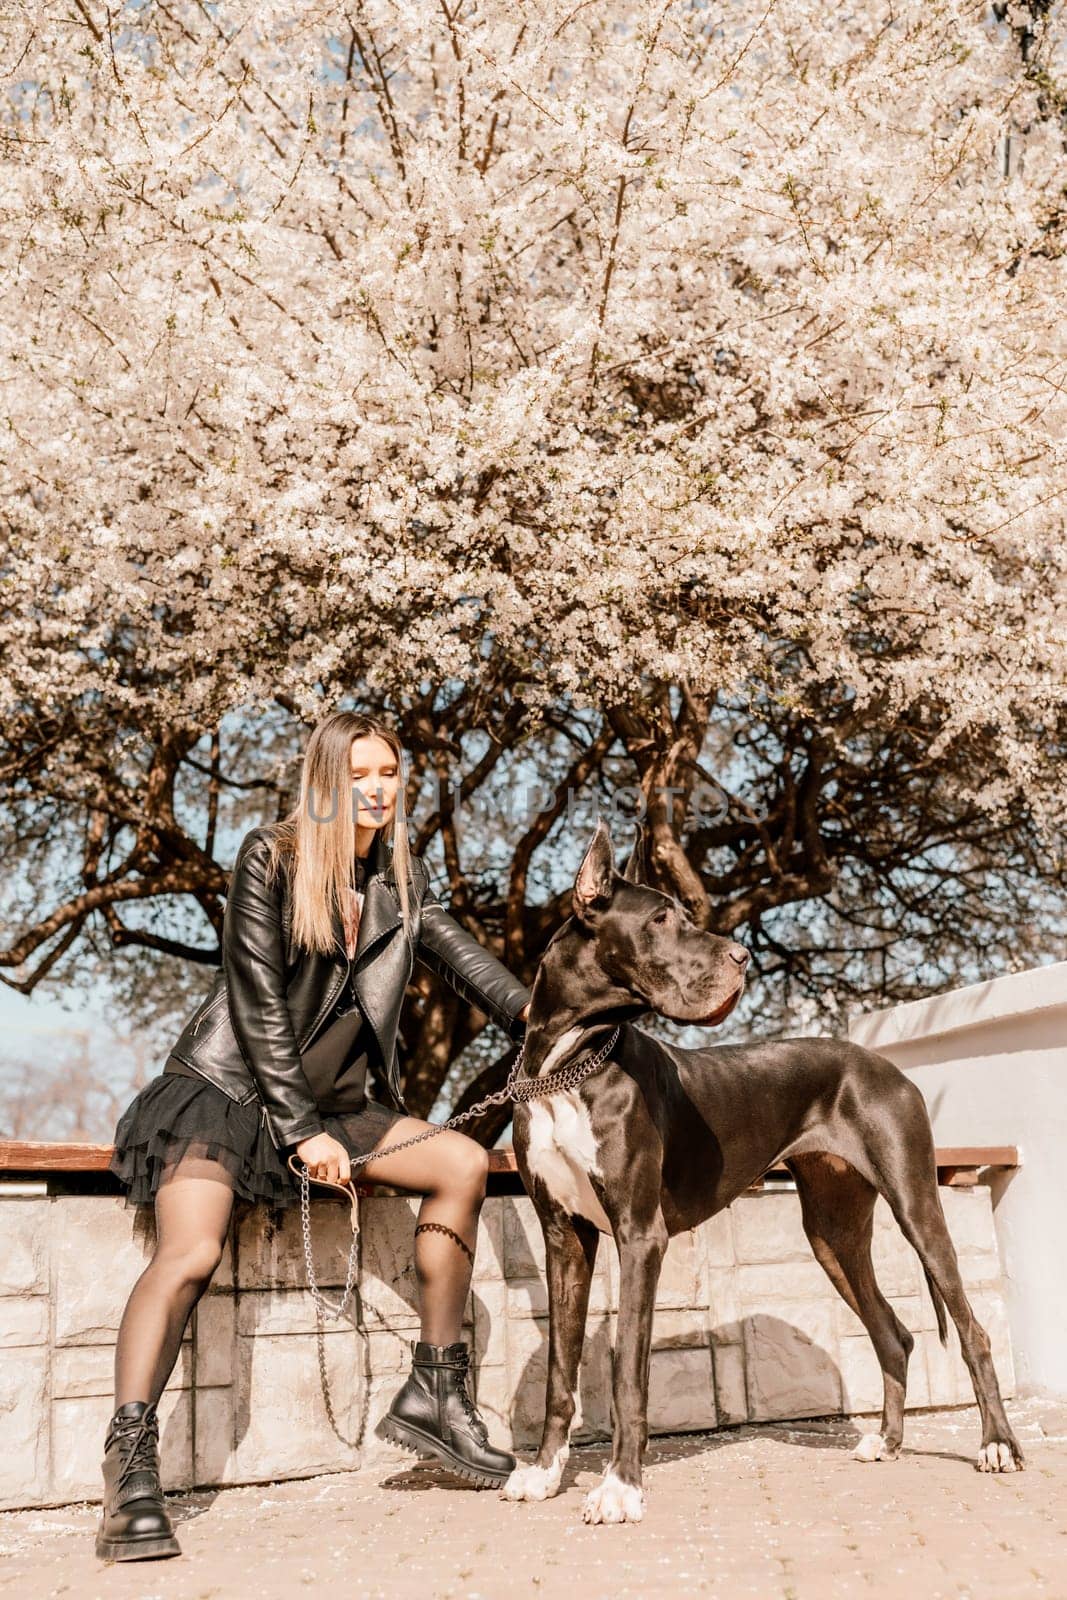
{"x":775,"y":1512}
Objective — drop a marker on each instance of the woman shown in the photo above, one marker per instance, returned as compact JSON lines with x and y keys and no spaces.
{"x":321,"y":927}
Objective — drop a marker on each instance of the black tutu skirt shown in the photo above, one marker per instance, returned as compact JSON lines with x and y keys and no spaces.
{"x":178,"y":1119}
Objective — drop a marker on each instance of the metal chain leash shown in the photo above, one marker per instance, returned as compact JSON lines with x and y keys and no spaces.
{"x":516,"y":1089}
{"x":330,"y":1310}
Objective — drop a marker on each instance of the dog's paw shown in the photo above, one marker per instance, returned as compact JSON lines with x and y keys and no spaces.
{"x":1000,"y":1455}
{"x":614,"y":1501}
{"x":533,"y":1482}
{"x":873,"y":1447}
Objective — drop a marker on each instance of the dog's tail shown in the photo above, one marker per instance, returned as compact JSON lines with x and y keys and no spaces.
{"x":939,"y":1307}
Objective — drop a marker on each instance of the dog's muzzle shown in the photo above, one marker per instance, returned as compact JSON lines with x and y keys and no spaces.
{"x":723,"y":1011}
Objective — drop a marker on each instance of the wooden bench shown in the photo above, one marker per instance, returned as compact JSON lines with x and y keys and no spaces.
{"x":957,"y":1166}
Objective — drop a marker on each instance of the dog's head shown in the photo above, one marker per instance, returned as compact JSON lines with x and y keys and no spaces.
{"x":647,"y":943}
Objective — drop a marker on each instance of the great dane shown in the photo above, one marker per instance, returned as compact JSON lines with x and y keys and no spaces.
{"x":659,"y":1138}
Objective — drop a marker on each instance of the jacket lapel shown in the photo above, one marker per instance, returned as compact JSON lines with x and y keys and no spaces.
{"x":381,"y":965}
{"x":380,"y":914}
{"x":379,"y":917}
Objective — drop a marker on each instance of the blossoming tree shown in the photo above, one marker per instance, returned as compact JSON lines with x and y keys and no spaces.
{"x":677,"y":390}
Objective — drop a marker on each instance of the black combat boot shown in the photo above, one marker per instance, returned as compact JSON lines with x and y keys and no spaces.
{"x":135,"y":1524}
{"x":435,"y":1416}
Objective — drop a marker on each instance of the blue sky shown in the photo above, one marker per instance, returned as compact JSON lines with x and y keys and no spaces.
{"x":22,"y":1014}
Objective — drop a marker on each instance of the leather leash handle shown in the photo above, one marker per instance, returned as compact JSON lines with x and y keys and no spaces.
{"x":298,"y":1168}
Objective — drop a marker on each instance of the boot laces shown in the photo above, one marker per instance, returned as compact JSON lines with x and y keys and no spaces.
{"x":138,"y":1445}
{"x":478,"y":1426}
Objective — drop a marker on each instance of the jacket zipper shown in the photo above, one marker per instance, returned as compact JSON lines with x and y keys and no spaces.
{"x":219,"y":998}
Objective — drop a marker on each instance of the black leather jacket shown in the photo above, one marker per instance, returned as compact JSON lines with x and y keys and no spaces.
{"x":271,"y":999}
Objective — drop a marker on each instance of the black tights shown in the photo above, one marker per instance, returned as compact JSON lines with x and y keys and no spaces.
{"x":193,"y":1205}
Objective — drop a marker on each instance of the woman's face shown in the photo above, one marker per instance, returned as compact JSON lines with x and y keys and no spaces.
{"x":375,"y":779}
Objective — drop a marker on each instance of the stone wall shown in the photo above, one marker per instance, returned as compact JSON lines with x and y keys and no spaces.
{"x":747,"y":1328}
{"x":991,"y":1060}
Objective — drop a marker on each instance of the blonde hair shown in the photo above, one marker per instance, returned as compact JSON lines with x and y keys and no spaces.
{"x":315,"y":843}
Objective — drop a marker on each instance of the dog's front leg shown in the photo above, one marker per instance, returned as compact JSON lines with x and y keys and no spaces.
{"x":570,"y":1254}
{"x":619,"y":1496}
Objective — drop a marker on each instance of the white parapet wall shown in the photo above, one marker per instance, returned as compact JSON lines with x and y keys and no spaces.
{"x":991,"y":1061}
{"x":747,"y":1328}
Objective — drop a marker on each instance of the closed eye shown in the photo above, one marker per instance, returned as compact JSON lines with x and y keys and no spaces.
{"x":660,"y":916}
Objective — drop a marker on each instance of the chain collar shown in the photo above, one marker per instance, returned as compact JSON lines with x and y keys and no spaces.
{"x":561,"y":1078}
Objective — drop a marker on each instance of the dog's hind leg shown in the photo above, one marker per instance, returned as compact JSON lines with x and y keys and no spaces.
{"x":618,"y":1497}
{"x":570,"y":1255}
{"x":837,"y":1207}
{"x":906,"y":1166}
{"x":899,"y":1151}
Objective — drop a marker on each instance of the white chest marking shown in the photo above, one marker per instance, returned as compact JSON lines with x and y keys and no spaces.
{"x":562,"y":1148}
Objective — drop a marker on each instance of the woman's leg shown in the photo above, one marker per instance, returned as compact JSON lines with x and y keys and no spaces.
{"x":433,"y":1413}
{"x":193,"y":1205}
{"x":450,"y":1170}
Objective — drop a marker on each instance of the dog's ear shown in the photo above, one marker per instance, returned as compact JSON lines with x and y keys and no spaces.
{"x":593,"y":884}
{"x":636,"y":869}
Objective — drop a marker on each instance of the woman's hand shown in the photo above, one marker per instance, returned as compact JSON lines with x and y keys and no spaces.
{"x":325,"y":1158}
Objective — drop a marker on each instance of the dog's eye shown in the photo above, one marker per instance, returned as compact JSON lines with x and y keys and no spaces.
{"x":660,"y":916}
